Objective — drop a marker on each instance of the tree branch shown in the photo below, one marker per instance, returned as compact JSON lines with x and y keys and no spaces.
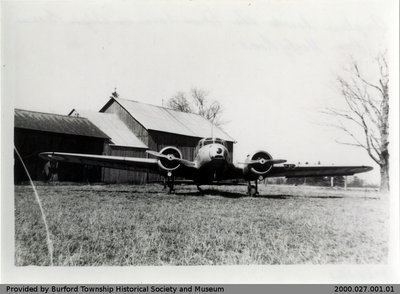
{"x":365,"y":81}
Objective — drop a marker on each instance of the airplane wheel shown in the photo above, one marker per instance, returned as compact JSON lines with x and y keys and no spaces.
{"x":252,"y":190}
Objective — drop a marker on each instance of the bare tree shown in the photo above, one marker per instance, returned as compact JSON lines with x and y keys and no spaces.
{"x":211,"y":110}
{"x":180,"y":103}
{"x":366,"y":119}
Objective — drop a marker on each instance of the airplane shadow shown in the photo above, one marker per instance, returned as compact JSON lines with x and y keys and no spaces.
{"x":120,"y":191}
{"x":211,"y":192}
{"x":227,"y":194}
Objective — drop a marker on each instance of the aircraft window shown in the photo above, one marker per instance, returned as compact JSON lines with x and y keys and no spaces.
{"x":208,"y":142}
{"x":220,"y":141}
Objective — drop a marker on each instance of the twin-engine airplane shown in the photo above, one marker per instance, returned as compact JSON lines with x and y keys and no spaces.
{"x":210,"y":166}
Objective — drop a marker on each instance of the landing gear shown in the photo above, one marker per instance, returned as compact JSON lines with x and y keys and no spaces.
{"x":169,"y":183}
{"x":252,"y":190}
{"x":198,"y":188}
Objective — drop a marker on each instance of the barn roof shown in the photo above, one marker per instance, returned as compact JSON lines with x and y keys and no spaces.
{"x":163,"y":119}
{"x":111,"y":125}
{"x":55,"y":123}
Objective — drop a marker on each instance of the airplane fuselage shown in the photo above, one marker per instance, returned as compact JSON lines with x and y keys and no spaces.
{"x":212,"y":161}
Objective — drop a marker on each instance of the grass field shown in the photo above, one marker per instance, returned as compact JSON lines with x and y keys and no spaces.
{"x":140,"y":225}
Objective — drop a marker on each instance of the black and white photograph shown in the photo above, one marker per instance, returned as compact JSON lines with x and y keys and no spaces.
{"x":200,"y":141}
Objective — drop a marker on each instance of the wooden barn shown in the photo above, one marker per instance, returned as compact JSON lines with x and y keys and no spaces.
{"x":158,"y":127}
{"x":123,"y":142}
{"x":121,"y":128}
{"x":36,"y":132}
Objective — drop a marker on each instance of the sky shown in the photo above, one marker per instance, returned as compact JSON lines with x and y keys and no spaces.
{"x":273,"y":65}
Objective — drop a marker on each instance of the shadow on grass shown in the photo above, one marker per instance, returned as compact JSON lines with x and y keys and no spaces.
{"x":323,"y":197}
{"x":281,"y":196}
{"x":212,"y":192}
{"x":286,"y":196}
{"x":227,"y":194}
{"x":121,"y":191}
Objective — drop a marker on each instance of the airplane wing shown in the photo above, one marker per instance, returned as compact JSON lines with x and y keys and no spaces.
{"x":292,"y":171}
{"x":119,"y":162}
{"x":289,"y":171}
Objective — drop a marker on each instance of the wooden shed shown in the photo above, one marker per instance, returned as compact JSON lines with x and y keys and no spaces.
{"x":123,"y":142}
{"x":158,"y":127}
{"x":36,"y":132}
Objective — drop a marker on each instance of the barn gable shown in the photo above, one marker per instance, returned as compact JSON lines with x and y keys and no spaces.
{"x":112,"y":126}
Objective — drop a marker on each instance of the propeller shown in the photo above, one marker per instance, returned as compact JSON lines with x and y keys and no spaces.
{"x":264,"y":161}
{"x":158,"y":154}
{"x":171,"y":157}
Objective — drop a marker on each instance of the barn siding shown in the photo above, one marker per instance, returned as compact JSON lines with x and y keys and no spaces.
{"x":30,"y":143}
{"x":117,"y":176}
{"x":230,"y":149}
{"x":184,"y":143}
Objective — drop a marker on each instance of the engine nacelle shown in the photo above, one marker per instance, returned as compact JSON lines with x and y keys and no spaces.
{"x":262,"y":166}
{"x":169,"y":164}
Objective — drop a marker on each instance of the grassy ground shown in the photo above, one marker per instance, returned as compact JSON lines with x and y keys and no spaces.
{"x":141,"y":225}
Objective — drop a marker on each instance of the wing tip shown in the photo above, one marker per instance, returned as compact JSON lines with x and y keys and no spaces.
{"x":362,"y":169}
{"x":367,"y":168}
{"x":45,"y":155}
{"x":50,"y":156}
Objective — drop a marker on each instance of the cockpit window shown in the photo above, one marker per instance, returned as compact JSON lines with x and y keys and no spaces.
{"x":208,"y":141}
{"x":220,"y":141}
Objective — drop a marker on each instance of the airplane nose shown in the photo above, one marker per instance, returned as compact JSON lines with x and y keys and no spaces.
{"x":217,"y":153}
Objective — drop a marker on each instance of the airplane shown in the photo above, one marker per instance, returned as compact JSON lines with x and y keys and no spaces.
{"x":211,"y":165}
